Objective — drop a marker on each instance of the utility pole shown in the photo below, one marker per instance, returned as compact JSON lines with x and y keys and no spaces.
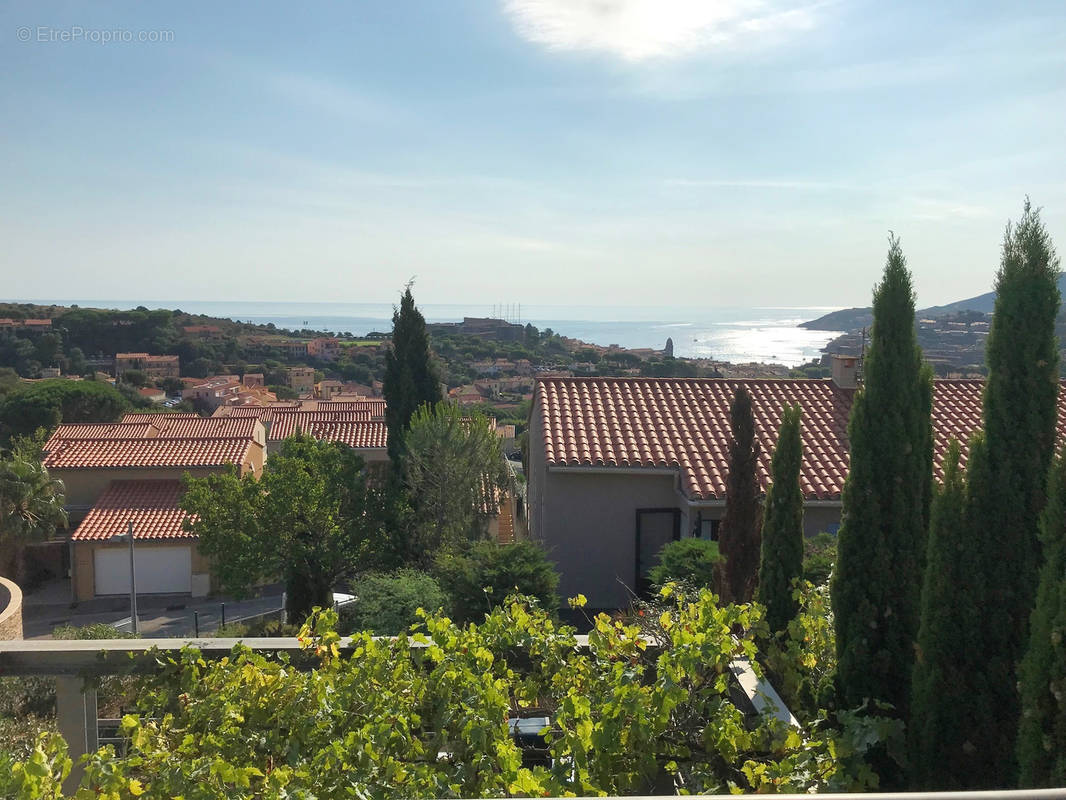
{"x":133,"y":586}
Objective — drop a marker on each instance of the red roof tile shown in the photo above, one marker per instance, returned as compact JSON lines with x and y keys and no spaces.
{"x":207,"y":428}
{"x":151,"y":505}
{"x":354,"y":434}
{"x":684,"y":424}
{"x":151,"y":416}
{"x":256,"y":412}
{"x":376,"y":407}
{"x":100,"y":430}
{"x":286,"y":423}
{"x":127,"y":453}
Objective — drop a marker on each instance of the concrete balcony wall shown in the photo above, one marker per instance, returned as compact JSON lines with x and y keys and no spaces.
{"x":10,"y":610}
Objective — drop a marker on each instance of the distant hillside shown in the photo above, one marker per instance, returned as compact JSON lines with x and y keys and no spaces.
{"x":850,"y":319}
{"x":847,"y":319}
{"x":983,"y":302}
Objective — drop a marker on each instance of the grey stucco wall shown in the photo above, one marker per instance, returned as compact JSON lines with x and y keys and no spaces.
{"x":588,"y":525}
{"x":815,"y":518}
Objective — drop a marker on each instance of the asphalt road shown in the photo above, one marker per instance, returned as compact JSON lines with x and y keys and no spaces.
{"x":159,"y":617}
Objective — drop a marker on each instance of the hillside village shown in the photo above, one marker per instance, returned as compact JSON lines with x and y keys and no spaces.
{"x":820,"y":500}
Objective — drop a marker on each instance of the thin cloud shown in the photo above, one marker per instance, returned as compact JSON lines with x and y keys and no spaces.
{"x":332,"y":98}
{"x":638,"y":30}
{"x":726,"y":183}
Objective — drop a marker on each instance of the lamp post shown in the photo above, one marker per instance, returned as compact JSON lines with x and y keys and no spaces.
{"x":133,"y":578}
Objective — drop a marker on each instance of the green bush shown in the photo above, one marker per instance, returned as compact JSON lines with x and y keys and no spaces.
{"x":691,"y":561}
{"x":45,"y":403}
{"x":97,"y":630}
{"x":284,"y":392}
{"x":819,"y":555}
{"x":256,"y":628}
{"x":481,"y":577}
{"x":627,"y":719}
{"x":386,"y":603}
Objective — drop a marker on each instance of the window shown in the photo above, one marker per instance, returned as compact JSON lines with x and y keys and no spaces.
{"x":705,"y":527}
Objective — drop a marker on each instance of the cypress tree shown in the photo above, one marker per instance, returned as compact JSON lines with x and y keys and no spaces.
{"x":940,"y":726}
{"x":410,"y":376}
{"x":739,"y":539}
{"x":1019,"y":423}
{"x":782,"y":530}
{"x":877,"y":580}
{"x":1042,"y":731}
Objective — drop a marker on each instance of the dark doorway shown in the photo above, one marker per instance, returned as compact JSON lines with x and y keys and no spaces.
{"x":656,"y":527}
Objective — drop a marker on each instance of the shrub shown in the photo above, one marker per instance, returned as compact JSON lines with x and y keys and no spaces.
{"x":257,"y":627}
{"x":479,"y":578}
{"x":819,"y":555}
{"x":690,"y":561}
{"x":97,"y":630}
{"x":627,"y":718}
{"x":386,"y":603}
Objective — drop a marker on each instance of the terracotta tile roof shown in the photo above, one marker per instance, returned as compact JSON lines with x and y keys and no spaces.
{"x":376,"y":407}
{"x":286,"y":423}
{"x":254,"y":412}
{"x":957,"y":406}
{"x":152,"y":506}
{"x":684,"y":424}
{"x":100,"y":430}
{"x":128,"y":453}
{"x":151,"y":416}
{"x":354,"y":434}
{"x":207,"y":428}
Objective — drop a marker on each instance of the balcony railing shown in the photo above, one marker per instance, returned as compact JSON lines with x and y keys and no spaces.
{"x":76,"y":664}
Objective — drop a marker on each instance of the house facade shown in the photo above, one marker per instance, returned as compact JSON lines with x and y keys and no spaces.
{"x":154,"y":367}
{"x":131,"y":472}
{"x":618,"y":467}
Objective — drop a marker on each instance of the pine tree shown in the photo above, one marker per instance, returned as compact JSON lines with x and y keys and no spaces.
{"x":877,"y":579}
{"x":1019,"y":423}
{"x":941,"y":719}
{"x":739,"y":538}
{"x":1042,"y":731}
{"x":782,"y":531}
{"x":411,"y":378}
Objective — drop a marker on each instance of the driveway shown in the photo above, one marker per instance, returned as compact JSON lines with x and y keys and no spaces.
{"x":160,"y":616}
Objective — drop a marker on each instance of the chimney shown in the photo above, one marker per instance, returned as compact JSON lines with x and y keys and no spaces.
{"x":845,"y":371}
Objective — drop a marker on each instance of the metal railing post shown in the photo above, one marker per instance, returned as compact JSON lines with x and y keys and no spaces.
{"x":134,"y":627}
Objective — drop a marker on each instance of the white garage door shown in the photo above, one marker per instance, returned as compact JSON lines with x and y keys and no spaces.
{"x":160,"y":570}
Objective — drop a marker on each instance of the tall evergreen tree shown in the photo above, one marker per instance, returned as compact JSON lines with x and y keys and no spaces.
{"x":1042,"y":731}
{"x":782,"y":530}
{"x":877,"y":579}
{"x":1019,"y":423}
{"x":940,"y":726}
{"x":739,"y":537}
{"x":411,"y":378}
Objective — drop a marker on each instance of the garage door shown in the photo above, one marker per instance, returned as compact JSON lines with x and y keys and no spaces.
{"x":160,"y":570}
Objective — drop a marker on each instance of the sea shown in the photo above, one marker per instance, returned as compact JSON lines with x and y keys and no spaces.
{"x":737,"y":334}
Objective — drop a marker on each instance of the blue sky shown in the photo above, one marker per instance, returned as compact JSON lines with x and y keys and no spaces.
{"x":668,"y":152}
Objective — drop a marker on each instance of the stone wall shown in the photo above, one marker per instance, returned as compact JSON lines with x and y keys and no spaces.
{"x":10,"y":610}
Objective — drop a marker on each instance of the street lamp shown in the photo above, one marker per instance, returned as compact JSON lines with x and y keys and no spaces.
{"x":133,"y":577}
